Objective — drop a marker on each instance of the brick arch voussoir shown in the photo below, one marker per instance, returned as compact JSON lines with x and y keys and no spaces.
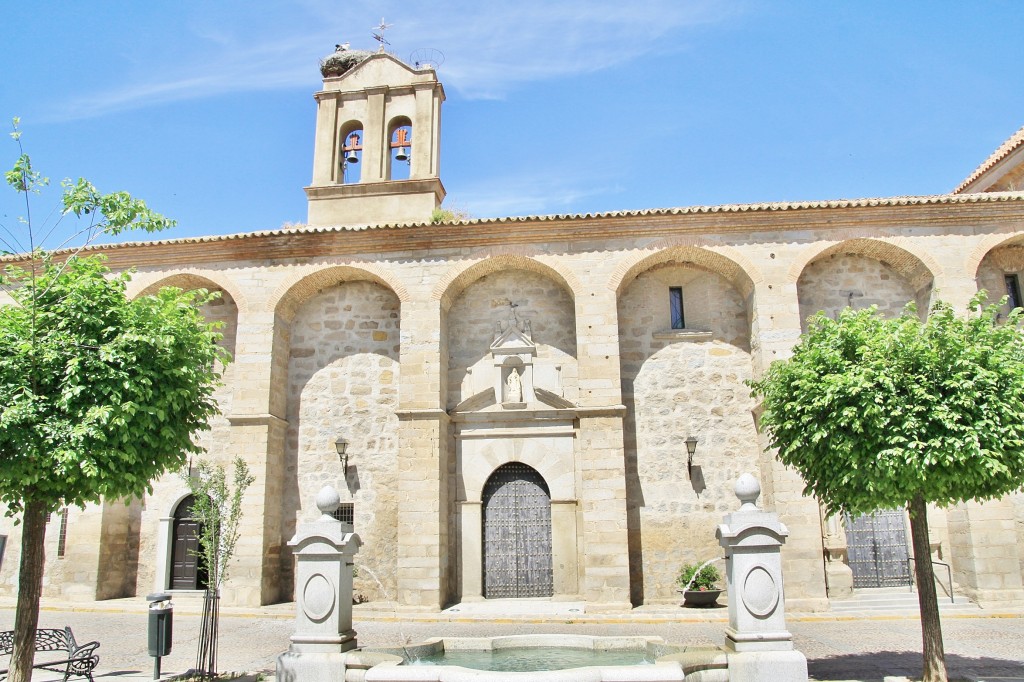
{"x":302,"y":286}
{"x":149,"y":283}
{"x":723,"y":260}
{"x":919,"y":269}
{"x":458,"y":278}
{"x":986,"y":246}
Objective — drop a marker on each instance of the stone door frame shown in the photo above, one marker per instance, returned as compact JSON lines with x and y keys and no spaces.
{"x":549,"y":449}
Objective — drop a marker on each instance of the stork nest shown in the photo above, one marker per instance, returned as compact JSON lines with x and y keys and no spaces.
{"x":341,"y":62}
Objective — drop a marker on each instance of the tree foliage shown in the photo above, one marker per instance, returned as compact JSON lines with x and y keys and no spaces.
{"x":873,"y":412}
{"x":99,"y":394}
{"x":885,"y":413}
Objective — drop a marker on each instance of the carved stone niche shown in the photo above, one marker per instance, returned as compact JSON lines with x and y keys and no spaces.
{"x":513,"y":352}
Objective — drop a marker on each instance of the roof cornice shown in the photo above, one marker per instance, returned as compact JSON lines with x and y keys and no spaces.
{"x":308,"y":242}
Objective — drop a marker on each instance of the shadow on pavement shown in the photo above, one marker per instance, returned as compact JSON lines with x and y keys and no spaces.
{"x":874,"y":666}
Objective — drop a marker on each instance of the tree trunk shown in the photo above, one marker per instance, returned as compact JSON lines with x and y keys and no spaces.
{"x":931,"y":626}
{"x":30,"y":589}
{"x":206,"y":657}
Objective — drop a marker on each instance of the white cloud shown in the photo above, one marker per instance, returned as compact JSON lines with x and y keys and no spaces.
{"x":490,"y":48}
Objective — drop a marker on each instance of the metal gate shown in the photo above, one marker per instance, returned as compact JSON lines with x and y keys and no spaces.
{"x":517,"y":533}
{"x":877,"y":546}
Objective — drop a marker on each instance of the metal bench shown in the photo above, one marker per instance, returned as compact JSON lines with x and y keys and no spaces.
{"x":75,"y":660}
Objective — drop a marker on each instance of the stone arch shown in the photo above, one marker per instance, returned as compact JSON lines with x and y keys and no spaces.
{"x":723,"y":260}
{"x":400,"y":129}
{"x":919,"y":269}
{"x":482,"y":297}
{"x":455,"y":281}
{"x":224,"y":310}
{"x":143,"y":284}
{"x":1000,"y":269}
{"x":678,"y":382}
{"x":860,"y":273}
{"x":557,"y":472}
{"x":972,"y":264}
{"x":336,"y":354}
{"x":302,"y":286}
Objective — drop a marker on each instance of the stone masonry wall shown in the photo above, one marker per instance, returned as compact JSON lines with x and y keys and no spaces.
{"x":674,"y":388}
{"x":471,"y":325}
{"x":1008,"y":260}
{"x":343,"y":381}
{"x":841,"y":280}
{"x":995,"y":266}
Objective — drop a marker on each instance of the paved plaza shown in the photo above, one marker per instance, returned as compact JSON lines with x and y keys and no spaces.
{"x":982,"y":646}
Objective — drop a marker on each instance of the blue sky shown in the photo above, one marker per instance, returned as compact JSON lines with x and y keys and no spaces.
{"x":205,"y":109}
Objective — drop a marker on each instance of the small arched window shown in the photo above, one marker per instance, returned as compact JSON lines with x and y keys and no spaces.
{"x":350,"y":159}
{"x":399,"y":149}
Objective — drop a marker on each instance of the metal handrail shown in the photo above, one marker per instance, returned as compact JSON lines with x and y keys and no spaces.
{"x":949,"y":576}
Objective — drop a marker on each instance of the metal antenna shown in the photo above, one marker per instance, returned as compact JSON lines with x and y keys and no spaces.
{"x":378,"y":34}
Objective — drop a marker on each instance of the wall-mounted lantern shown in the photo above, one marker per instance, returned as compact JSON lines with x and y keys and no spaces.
{"x":341,"y":445}
{"x":691,"y":447}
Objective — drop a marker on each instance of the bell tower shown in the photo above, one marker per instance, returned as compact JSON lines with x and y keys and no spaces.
{"x":376,"y":157}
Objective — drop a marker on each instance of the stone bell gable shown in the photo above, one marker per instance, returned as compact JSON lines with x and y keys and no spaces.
{"x":376,"y":154}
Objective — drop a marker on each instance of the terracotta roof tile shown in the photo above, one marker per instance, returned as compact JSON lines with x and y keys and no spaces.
{"x":1014,"y":141}
{"x":936,"y":199}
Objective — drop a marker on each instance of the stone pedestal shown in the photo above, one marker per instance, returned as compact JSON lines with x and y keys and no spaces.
{"x":323,"y":597}
{"x":760,"y":646}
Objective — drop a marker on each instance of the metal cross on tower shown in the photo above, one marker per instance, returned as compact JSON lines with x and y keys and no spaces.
{"x":378,"y":34}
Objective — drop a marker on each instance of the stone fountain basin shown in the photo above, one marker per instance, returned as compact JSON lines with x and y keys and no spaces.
{"x":672,"y":662}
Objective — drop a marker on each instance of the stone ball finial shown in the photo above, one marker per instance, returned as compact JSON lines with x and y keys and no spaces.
{"x":748,"y":490}
{"x":328,"y":500}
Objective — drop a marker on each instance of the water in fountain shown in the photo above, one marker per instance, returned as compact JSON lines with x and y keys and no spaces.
{"x":536,"y":658}
{"x":373,"y":575}
{"x":394,"y":604}
{"x":699,"y":569}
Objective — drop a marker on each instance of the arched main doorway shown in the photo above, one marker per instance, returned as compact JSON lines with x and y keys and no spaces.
{"x":187,"y":571}
{"x":517,"y":533}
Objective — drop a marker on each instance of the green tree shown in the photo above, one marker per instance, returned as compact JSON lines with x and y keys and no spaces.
{"x":884,"y":413}
{"x":217,"y":507}
{"x":99,"y":394}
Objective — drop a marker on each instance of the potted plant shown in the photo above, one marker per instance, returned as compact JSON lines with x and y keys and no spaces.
{"x":699,"y":584}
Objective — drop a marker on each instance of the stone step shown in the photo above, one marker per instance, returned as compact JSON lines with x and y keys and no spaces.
{"x":896,"y":600}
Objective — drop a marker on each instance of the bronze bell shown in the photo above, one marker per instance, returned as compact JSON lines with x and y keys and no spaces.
{"x":351,"y":158}
{"x":402,"y":154}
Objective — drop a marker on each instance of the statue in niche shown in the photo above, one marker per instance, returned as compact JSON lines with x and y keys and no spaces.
{"x":514,"y":384}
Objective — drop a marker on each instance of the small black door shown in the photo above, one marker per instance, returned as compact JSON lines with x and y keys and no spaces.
{"x":187,"y":572}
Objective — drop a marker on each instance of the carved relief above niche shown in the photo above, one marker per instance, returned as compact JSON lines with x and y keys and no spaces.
{"x":512,"y":352}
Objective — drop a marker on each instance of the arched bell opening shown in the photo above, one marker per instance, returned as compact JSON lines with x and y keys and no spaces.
{"x":351,"y":156}
{"x":399,"y":149}
{"x":517,"y":534}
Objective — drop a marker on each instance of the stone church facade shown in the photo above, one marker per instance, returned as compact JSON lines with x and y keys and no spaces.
{"x":515,"y":393}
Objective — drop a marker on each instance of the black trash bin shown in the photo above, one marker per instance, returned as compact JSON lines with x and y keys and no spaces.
{"x":161,"y":620}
